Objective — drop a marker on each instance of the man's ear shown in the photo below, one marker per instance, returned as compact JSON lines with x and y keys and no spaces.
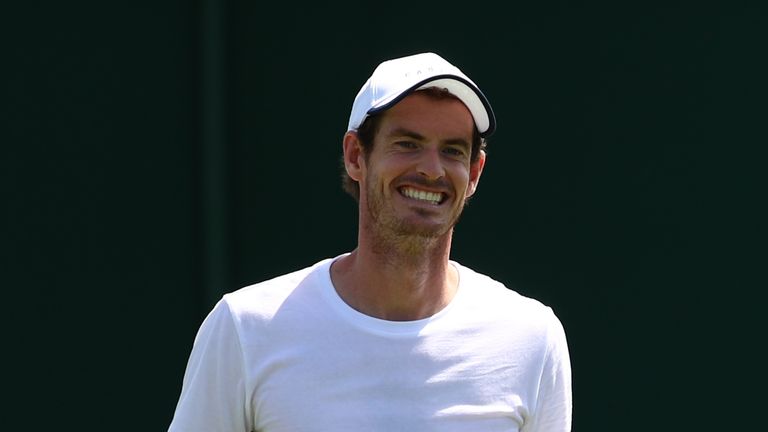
{"x":475,"y":170}
{"x":353,"y":155}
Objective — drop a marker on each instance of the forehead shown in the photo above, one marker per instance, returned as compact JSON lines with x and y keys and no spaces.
{"x":429,"y":116}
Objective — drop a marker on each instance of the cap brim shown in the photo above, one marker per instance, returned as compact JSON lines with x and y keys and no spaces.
{"x":463,"y":89}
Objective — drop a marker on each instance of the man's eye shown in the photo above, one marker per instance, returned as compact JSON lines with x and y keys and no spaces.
{"x":406,"y":144}
{"x":454,"y":151}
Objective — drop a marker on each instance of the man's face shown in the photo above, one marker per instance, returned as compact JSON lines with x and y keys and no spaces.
{"x":418,"y":175}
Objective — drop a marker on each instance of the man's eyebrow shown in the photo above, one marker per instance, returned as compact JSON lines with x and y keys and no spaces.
{"x":457,"y":142}
{"x":406,"y":133}
{"x":417,"y":136}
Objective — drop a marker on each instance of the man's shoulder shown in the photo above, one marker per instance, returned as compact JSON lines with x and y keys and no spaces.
{"x":491,"y":291}
{"x":267,"y":295}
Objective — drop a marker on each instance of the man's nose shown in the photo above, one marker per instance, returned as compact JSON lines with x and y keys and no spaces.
{"x":430,"y":164}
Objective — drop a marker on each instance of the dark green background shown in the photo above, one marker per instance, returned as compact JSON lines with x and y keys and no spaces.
{"x":158,"y":154}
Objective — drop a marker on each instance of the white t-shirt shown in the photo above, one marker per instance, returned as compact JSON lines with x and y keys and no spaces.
{"x":289,"y":355}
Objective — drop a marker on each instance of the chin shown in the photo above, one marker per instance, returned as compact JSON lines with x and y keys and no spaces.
{"x":424,"y":231}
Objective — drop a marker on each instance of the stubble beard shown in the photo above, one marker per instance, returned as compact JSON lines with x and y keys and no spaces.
{"x":394,"y":236}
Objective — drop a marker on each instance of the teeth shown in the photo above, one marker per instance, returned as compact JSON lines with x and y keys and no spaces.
{"x":432,"y":197}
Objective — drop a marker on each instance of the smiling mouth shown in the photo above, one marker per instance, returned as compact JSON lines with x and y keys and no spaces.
{"x":434,"y":198}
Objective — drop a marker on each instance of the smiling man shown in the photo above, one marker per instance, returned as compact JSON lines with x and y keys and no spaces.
{"x":394,"y":335}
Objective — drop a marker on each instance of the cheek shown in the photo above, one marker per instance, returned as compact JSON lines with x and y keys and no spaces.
{"x":461,"y":179}
{"x":373,"y":184}
{"x":380,"y":175}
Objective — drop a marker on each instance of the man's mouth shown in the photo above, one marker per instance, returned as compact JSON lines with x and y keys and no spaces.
{"x":433,"y":198}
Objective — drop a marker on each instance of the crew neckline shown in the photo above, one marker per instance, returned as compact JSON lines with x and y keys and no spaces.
{"x":377,"y":325}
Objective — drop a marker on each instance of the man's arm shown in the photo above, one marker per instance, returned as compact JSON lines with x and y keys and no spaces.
{"x":554,"y":402}
{"x":213,"y":391}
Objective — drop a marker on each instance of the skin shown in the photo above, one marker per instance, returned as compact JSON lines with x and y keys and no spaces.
{"x":400,"y":270}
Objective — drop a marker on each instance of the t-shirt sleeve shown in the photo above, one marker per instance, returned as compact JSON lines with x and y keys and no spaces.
{"x":554,"y":401}
{"x":213,"y":390}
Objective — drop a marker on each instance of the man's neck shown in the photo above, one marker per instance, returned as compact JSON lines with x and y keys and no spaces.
{"x":398,"y":283}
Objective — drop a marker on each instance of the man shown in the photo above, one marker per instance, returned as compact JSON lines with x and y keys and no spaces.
{"x":393,"y":336}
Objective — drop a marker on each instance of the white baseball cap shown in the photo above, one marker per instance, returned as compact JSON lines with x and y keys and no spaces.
{"x":393,"y":80}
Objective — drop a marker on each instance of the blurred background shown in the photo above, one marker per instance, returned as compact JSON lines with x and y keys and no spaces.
{"x":156,"y":155}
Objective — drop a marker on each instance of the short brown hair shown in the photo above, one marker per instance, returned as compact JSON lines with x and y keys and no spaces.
{"x":367,"y":131}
